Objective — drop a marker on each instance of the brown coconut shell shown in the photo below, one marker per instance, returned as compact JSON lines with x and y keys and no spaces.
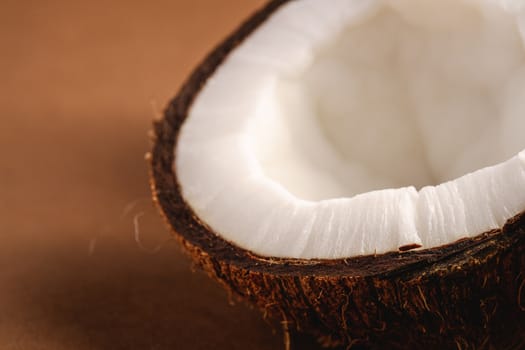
{"x":466,"y":295}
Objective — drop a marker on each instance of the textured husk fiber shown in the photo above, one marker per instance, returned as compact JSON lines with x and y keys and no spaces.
{"x":466,"y":295}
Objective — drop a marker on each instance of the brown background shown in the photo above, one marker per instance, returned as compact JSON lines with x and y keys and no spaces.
{"x":80,"y":82}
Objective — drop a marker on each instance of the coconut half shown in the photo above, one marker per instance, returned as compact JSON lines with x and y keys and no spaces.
{"x":356,"y":167}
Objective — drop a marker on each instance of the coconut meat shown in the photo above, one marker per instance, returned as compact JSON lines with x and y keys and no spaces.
{"x":351,"y":127}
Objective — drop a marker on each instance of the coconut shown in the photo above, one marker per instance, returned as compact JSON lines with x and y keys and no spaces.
{"x":355,"y":169}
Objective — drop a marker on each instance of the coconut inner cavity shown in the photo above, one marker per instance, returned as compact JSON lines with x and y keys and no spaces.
{"x":358,"y":127}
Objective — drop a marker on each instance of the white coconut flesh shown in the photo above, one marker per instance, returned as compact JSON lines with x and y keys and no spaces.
{"x":349,"y":127}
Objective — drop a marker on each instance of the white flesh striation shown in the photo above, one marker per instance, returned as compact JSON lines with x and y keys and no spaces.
{"x":314,"y":136}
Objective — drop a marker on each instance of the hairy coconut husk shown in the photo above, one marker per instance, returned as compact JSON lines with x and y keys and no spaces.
{"x":466,"y":295}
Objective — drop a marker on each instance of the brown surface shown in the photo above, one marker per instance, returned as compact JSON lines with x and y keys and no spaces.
{"x":77,"y":84}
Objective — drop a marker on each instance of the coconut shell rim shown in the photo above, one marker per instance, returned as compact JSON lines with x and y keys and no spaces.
{"x":198,"y":237}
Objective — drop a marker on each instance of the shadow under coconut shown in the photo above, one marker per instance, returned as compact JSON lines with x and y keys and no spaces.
{"x":132,"y":300}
